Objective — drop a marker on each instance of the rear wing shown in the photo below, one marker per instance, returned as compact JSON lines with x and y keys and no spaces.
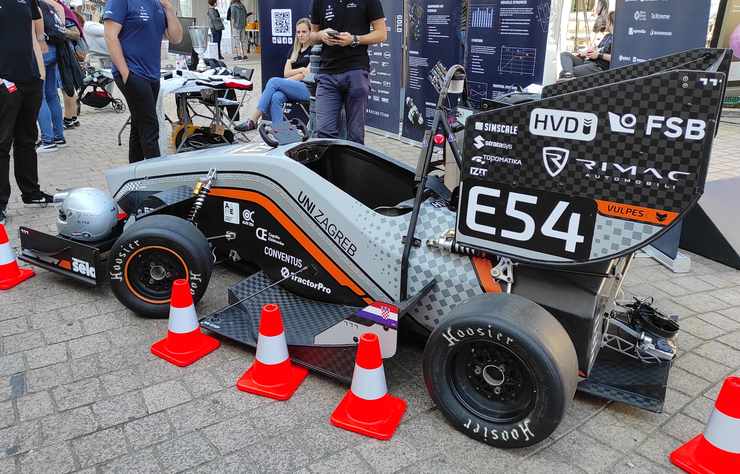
{"x":593,"y":173}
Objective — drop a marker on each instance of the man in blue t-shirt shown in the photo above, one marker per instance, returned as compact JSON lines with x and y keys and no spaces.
{"x":133,"y":33}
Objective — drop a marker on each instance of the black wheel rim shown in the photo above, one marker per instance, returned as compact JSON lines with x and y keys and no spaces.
{"x":152,"y":271}
{"x":491,"y":381}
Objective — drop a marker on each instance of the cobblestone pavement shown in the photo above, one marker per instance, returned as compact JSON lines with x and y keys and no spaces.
{"x":80,"y":391}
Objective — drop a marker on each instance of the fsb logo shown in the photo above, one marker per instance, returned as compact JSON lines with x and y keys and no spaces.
{"x":566,"y":124}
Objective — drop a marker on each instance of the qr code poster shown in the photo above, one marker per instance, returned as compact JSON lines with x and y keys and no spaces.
{"x":282,"y":22}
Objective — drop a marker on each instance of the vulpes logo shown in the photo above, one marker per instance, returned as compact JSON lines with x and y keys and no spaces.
{"x":555,"y":159}
{"x":566,"y":124}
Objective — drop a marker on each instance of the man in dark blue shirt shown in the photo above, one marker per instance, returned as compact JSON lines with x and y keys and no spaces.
{"x":133,"y":33}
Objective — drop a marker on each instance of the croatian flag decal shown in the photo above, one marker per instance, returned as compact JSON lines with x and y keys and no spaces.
{"x":381,"y":313}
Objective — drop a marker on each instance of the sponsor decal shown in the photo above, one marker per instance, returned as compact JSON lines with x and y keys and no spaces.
{"x":248,"y":217}
{"x":283,"y":257}
{"x":320,"y":217}
{"x":502,"y":128}
{"x":565,"y":124}
{"x":478,"y":171}
{"x":555,"y":159}
{"x":83,"y":268}
{"x":505,"y":160}
{"x":318,"y":286}
{"x":454,"y":336}
{"x":231,"y":212}
{"x":266,"y":236}
{"x":381,"y":313}
{"x":625,"y":173}
{"x":670,"y":127}
{"x":117,"y":263}
{"x":640,"y":15}
{"x":520,"y":431}
{"x":479,"y":143}
{"x":636,"y":213}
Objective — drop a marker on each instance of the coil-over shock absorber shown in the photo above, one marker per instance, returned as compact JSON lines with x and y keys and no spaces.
{"x":201,"y":190}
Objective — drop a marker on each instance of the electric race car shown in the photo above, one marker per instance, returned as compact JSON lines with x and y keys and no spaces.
{"x":513,"y":276}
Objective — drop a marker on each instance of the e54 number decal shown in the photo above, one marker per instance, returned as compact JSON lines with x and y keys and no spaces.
{"x":543,"y":222}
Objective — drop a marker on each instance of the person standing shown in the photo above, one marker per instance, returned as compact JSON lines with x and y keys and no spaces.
{"x":133,"y":33}
{"x":50,"y":114}
{"x":21,"y":78}
{"x":238,"y":14}
{"x":345,"y":30}
{"x":216,"y":24}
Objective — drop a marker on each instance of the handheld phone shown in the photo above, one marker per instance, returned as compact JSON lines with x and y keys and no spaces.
{"x":332,"y":33}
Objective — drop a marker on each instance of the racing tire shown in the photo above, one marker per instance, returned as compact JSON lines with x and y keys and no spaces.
{"x":150,"y":255}
{"x":502,"y":370}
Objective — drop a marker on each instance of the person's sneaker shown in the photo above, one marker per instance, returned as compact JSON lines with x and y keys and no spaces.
{"x":71,"y":123}
{"x":246,"y":126}
{"x":2,"y":216}
{"x":46,"y":148}
{"x":60,"y":143}
{"x":39,"y":197}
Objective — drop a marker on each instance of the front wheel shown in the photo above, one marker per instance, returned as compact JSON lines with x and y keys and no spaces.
{"x":502,"y":370}
{"x":150,"y":255}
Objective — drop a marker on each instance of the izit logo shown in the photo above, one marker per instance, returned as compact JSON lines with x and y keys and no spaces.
{"x":565,"y":124}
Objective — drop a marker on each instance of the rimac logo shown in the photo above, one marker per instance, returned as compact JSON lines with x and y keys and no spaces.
{"x":479,"y":142}
{"x":566,"y":124}
{"x":555,"y":159}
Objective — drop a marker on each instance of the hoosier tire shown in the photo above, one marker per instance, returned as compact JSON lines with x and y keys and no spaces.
{"x":150,"y":255}
{"x":502,"y":370}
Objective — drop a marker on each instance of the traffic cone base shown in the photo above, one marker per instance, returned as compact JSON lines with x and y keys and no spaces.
{"x":284,"y":386}
{"x":200,"y":346}
{"x":392,"y":410}
{"x":22,"y":275}
{"x":715,"y":461}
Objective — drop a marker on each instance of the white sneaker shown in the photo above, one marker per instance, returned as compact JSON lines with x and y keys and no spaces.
{"x":47,"y":148}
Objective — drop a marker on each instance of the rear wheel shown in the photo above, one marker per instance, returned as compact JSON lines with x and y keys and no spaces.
{"x":150,"y":255}
{"x":502,"y":370}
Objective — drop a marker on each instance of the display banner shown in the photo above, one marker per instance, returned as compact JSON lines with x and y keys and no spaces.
{"x":277,"y":33}
{"x":506,"y":45}
{"x":646,"y":30}
{"x":383,"y":107}
{"x":433,"y":37}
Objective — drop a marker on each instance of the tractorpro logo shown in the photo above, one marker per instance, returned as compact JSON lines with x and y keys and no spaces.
{"x":565,"y":124}
{"x":318,"y":286}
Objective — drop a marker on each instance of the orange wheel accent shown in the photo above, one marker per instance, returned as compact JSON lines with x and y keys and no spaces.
{"x":138,"y":251}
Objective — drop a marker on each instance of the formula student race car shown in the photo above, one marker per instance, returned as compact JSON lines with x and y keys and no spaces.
{"x":513,"y":276}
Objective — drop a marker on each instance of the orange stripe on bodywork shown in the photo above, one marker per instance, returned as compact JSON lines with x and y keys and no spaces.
{"x":326,"y":263}
{"x":636,"y":213}
{"x":65,"y":264}
{"x":483,"y":267}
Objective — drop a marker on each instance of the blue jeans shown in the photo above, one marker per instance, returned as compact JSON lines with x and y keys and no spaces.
{"x":335,"y":91}
{"x":277,"y":91}
{"x":50,"y":114}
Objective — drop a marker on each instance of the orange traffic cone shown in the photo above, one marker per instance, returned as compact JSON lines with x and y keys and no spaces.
{"x":184,"y":343}
{"x":10,"y":273}
{"x":717,"y":450}
{"x":272,"y":374}
{"x":367,"y":408}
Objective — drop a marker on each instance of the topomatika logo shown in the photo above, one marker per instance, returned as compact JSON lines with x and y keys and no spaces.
{"x":565,"y":124}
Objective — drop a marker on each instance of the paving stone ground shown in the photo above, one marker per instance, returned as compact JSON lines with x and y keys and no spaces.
{"x":80,"y":391}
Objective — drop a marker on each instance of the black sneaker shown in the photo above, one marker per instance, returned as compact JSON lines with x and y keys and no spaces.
{"x":60,"y":143}
{"x":37,"y":198}
{"x":2,"y":216}
{"x":46,"y":148}
{"x":71,"y":123}
{"x":246,"y":126}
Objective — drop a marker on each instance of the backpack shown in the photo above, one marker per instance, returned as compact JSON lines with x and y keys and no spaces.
{"x":53,"y":26}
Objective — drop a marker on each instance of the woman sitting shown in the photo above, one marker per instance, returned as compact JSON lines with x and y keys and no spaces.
{"x":288,"y":88}
{"x":592,"y":60}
